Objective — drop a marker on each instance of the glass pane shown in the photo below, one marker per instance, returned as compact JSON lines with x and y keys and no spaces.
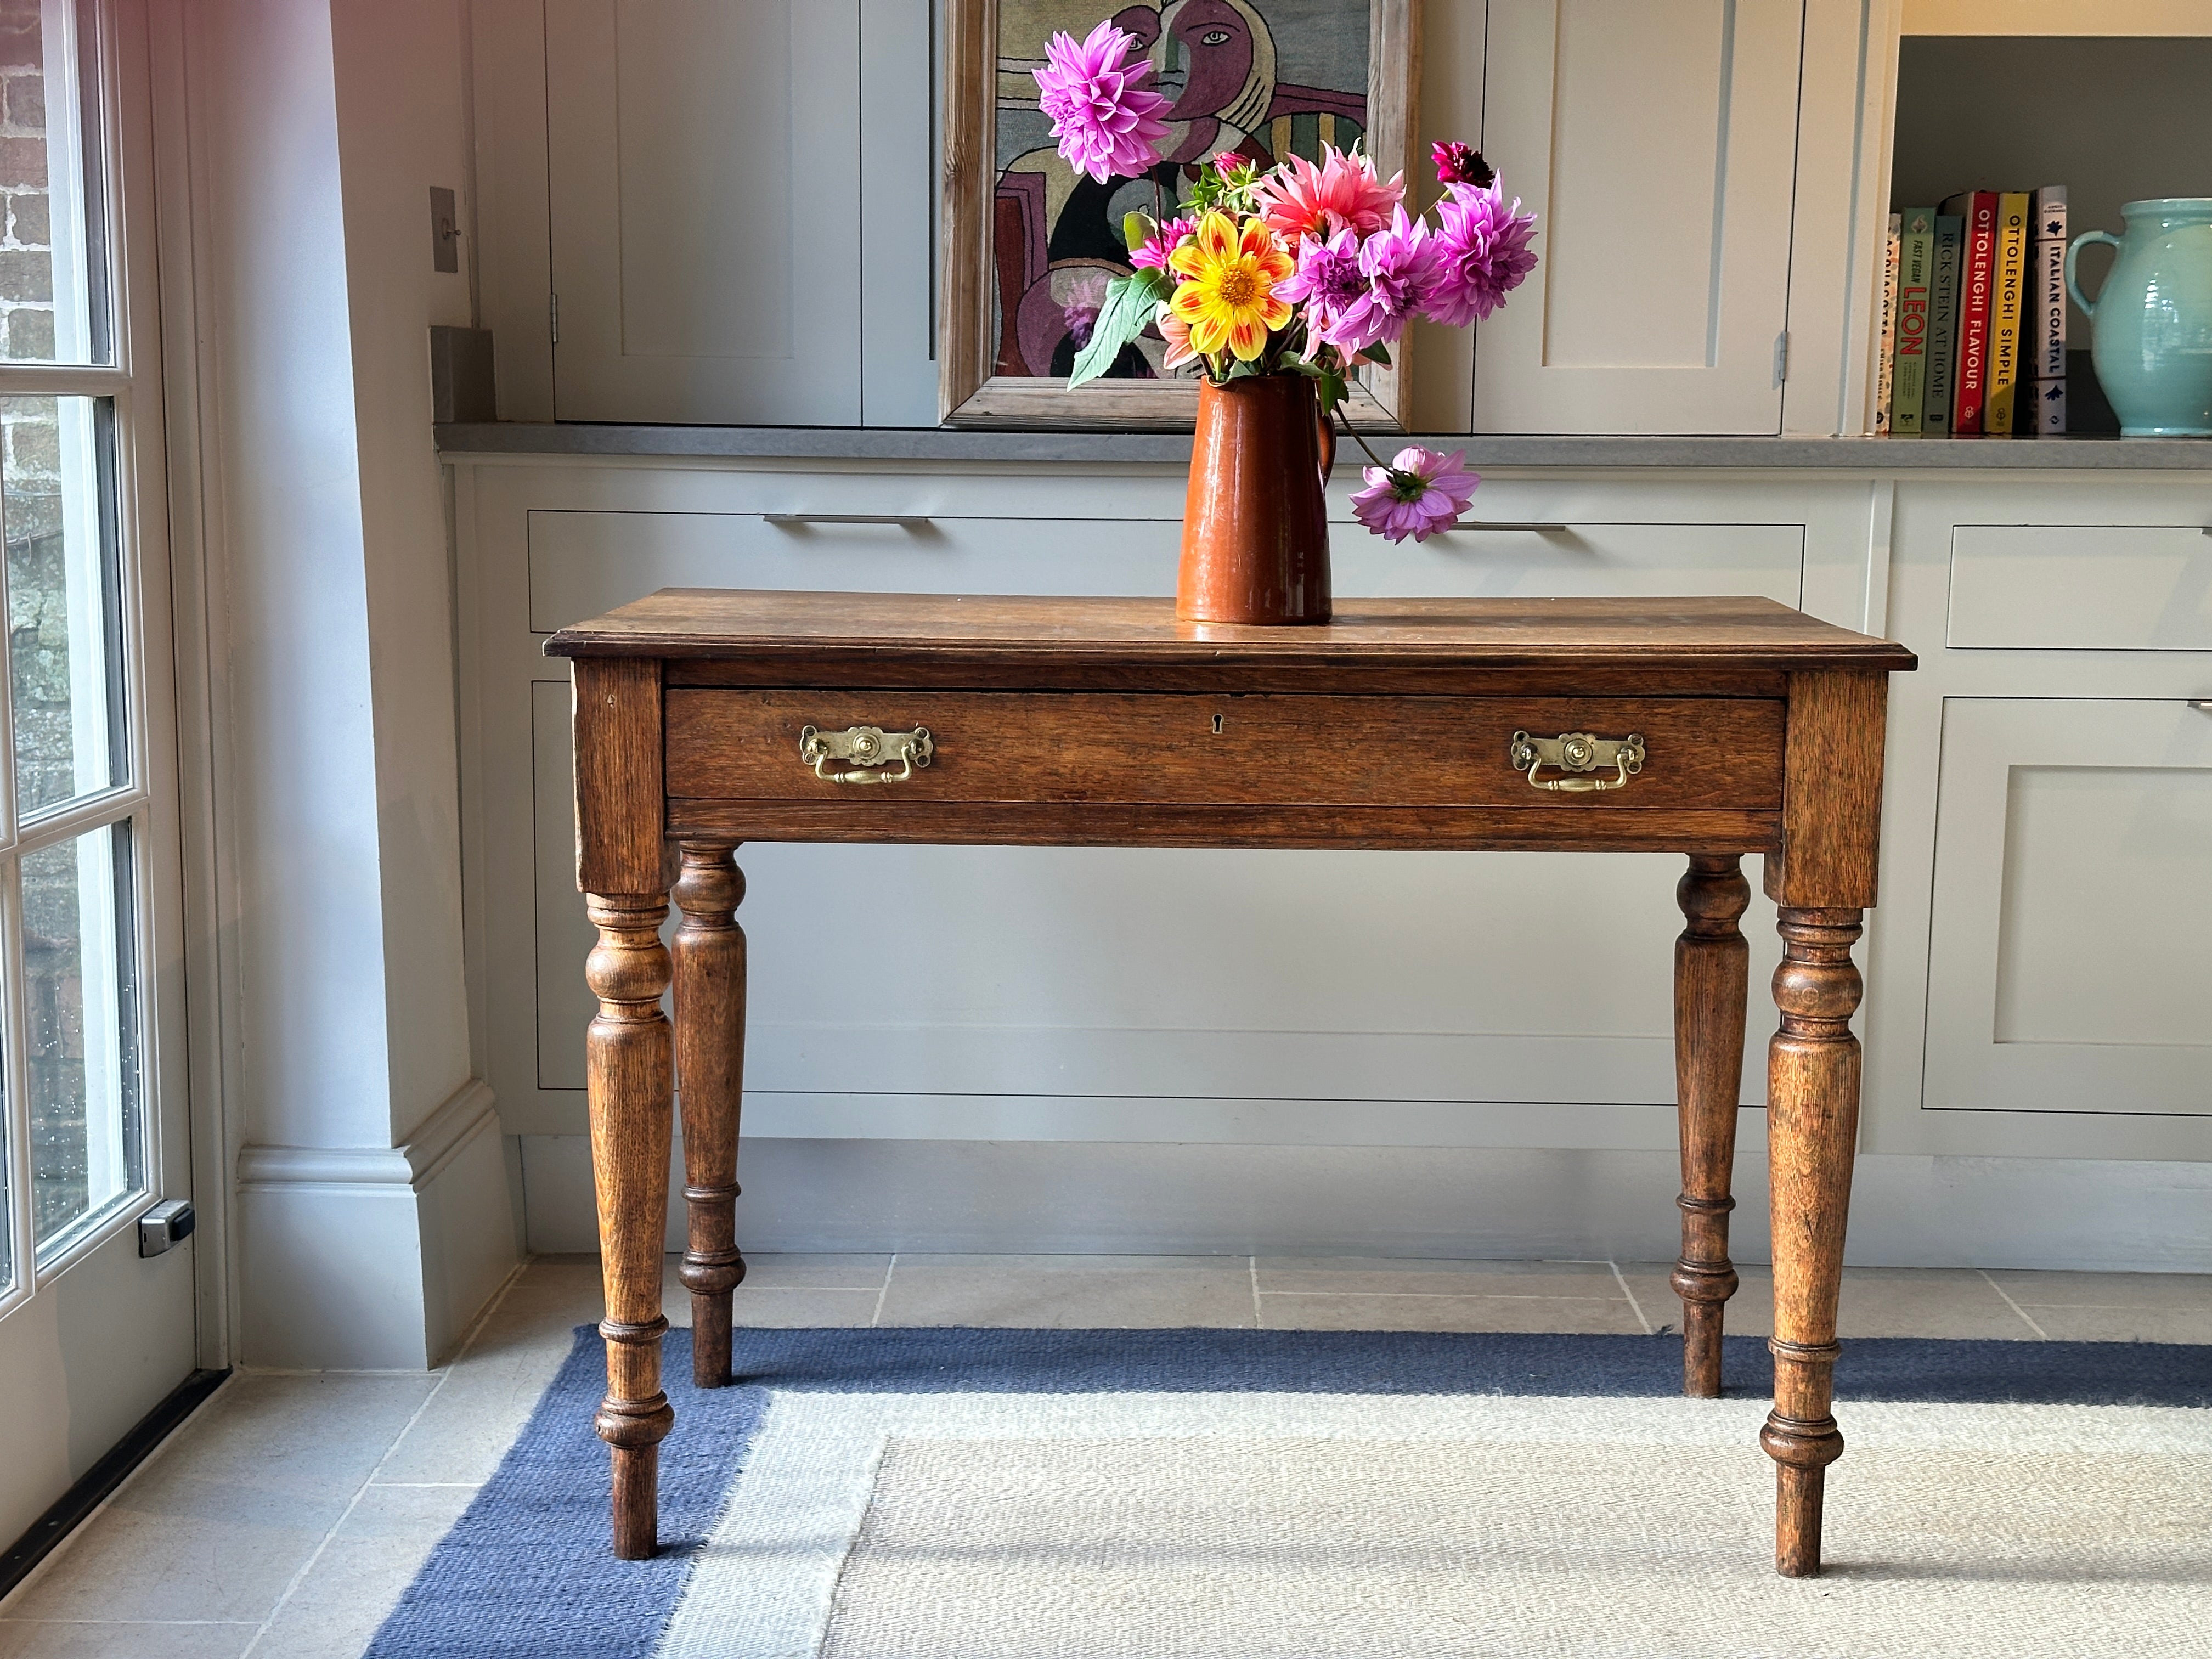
{"x":64,"y":626}
{"x":80,"y":1033}
{"x":53,"y":290}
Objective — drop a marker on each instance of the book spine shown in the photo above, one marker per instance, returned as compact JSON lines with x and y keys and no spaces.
{"x":1885,"y":374}
{"x":1977,"y":274}
{"x":1909,"y":377}
{"x":2005,"y":355}
{"x":1942,"y":328}
{"x":2048,"y":279}
{"x":2051,"y":407}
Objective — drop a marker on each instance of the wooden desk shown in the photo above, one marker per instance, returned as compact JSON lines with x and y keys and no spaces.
{"x":704,"y":719}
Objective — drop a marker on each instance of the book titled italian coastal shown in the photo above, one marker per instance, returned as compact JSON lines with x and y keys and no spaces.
{"x":1942,"y":328}
{"x":2046,"y":338}
{"x":1977,"y":284}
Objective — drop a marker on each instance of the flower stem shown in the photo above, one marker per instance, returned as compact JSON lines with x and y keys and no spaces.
{"x":1361,"y":442}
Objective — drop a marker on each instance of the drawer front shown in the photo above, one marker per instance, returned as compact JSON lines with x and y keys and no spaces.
{"x":1258,"y":751}
{"x":2081,"y":587}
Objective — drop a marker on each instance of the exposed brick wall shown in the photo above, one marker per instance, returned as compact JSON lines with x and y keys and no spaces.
{"x":26,"y":260}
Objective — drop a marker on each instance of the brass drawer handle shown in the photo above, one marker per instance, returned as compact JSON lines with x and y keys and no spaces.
{"x":865,"y":749}
{"x":1577,"y":752}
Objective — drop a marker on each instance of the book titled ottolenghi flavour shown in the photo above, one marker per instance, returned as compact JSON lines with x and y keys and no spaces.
{"x":2046,"y":338}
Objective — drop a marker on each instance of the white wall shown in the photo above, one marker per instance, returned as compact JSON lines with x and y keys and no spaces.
{"x":318,"y":131}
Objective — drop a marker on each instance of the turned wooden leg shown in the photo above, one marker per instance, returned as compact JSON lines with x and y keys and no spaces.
{"x":630,"y":1066}
{"x":1711,"y":973}
{"x":710,"y":1053}
{"x":1812,"y":1111}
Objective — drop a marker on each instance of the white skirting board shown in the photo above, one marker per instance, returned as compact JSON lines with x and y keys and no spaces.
{"x":374,"y":1259}
{"x":1123,"y":1198}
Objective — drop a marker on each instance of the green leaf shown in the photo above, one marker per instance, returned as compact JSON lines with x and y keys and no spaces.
{"x":1137,"y":230}
{"x":1130,"y":302}
{"x":1377,"y":353}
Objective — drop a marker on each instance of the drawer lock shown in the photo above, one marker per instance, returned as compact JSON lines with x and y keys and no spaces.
{"x":868,"y":752}
{"x":1578,"y":754}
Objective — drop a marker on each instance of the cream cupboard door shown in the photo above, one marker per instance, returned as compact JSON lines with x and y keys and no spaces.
{"x":704,"y":159}
{"x":2071,"y":938}
{"x":1657,"y":145}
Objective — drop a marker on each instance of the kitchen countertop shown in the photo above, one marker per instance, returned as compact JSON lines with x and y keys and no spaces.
{"x":1170,"y":448}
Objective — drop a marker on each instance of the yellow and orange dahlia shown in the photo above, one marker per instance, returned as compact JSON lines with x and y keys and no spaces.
{"x":1227,"y":295}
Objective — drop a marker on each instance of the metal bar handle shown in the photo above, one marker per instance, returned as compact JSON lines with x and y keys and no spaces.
{"x":906,"y":520}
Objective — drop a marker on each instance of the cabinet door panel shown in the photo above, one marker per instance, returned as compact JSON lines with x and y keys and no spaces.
{"x":704,"y":158}
{"x":1657,"y":146}
{"x":2072,"y":929}
{"x":2081,"y":587}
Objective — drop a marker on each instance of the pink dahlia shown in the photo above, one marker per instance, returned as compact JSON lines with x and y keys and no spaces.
{"x":1419,"y":494}
{"x":1298,"y":199}
{"x":1161,"y":243}
{"x":1483,"y":252}
{"x":1403,"y":266}
{"x":1177,"y":333}
{"x":1106,"y":119}
{"x":1460,"y":164}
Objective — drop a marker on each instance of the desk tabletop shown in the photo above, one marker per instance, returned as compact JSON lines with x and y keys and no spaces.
{"x":1475,"y":633}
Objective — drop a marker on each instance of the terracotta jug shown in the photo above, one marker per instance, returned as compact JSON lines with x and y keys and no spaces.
{"x":1255,"y":529}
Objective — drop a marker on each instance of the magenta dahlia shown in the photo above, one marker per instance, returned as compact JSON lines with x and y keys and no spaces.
{"x":1328,"y":281}
{"x":1106,"y":119}
{"x":1419,"y":494}
{"x":1482,"y":252}
{"x":1403,"y":265}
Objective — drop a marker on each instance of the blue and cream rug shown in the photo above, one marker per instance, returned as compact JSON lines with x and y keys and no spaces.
{"x":1211,"y":1494}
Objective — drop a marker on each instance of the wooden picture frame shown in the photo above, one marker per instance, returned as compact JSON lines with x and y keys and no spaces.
{"x":969,"y":393}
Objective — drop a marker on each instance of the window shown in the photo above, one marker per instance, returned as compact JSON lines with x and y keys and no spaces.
{"x":74,"y":1139}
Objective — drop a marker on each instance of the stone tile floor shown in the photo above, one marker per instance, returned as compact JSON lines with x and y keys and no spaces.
{"x":285,"y":1517}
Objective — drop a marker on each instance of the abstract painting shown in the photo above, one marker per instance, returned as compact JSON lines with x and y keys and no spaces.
{"x":1261,"y":78}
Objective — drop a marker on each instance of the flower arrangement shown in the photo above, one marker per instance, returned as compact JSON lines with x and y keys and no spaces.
{"x":1301,"y":268}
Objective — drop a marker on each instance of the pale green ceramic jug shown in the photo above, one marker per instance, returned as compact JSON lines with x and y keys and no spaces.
{"x":2153,"y":318}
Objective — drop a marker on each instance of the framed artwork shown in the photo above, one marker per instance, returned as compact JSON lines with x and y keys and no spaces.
{"x":1030,"y":244}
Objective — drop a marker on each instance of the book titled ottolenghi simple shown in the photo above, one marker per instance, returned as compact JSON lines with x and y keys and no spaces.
{"x":2005,"y":314}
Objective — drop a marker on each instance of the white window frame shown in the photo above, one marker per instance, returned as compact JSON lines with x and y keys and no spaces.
{"x":132,"y":380}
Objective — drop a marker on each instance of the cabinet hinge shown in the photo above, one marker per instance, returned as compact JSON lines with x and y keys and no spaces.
{"x":1782,"y":356}
{"x":556,"y":316}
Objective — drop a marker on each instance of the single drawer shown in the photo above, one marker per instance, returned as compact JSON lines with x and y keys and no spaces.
{"x":2081,"y":587}
{"x":1258,"y":751}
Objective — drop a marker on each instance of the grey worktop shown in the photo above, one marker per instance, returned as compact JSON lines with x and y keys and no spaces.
{"x":942,"y":444}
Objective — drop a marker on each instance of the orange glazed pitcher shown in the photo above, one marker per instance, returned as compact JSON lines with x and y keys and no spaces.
{"x":1254,"y":527}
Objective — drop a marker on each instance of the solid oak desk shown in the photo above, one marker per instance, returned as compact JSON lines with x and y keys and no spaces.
{"x":1712,"y":727}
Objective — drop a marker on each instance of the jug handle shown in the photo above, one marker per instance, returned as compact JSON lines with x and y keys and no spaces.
{"x":2073,"y":253}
